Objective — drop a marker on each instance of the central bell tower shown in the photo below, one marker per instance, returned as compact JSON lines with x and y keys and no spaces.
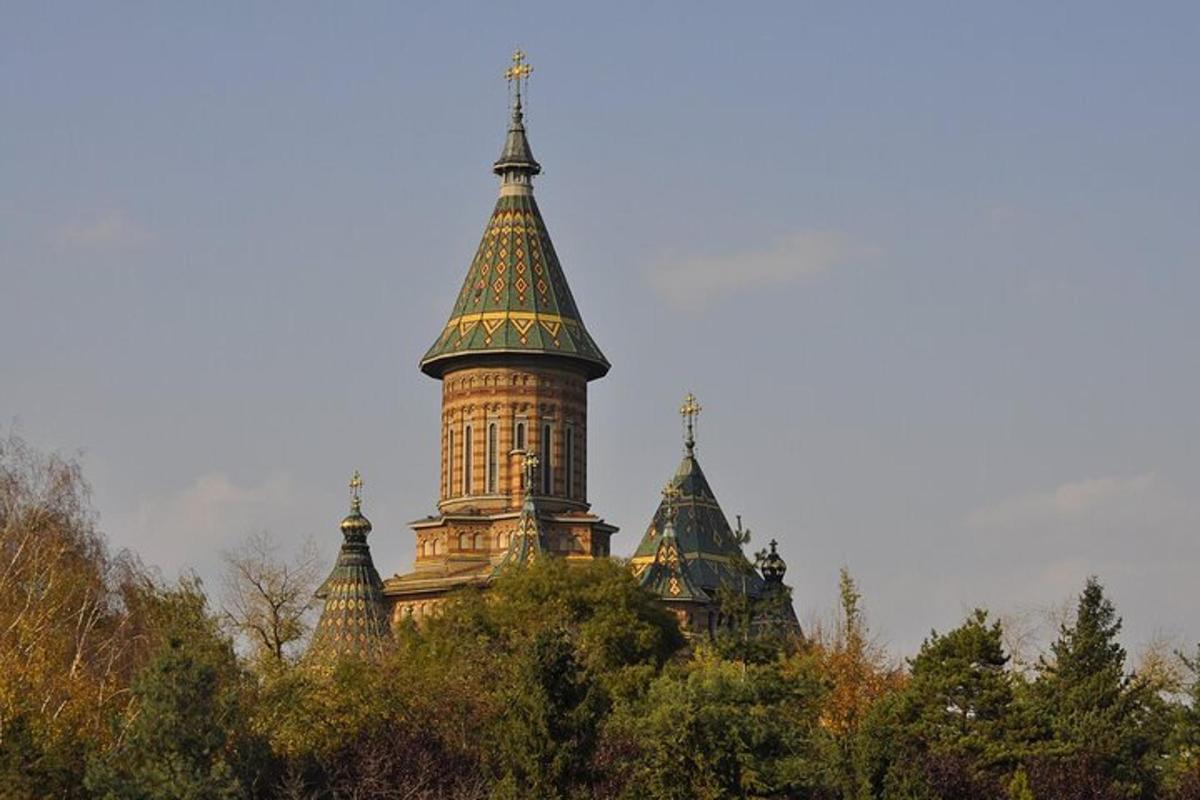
{"x":515,"y":361}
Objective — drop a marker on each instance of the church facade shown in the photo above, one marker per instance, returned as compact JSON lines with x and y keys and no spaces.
{"x":515,"y":360}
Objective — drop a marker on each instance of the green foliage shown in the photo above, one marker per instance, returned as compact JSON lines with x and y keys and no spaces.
{"x":181,"y":743}
{"x":713,"y":728}
{"x":1086,"y":709}
{"x":1019,"y":788}
{"x":547,"y":731}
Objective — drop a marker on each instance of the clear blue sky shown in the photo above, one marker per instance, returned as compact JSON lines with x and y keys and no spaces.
{"x":931,"y":269}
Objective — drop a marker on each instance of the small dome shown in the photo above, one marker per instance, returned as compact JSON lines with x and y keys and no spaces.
{"x":773,"y":566}
{"x":356,"y":523}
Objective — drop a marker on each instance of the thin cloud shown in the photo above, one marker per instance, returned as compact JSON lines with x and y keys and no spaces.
{"x":186,"y":527}
{"x":693,"y":282}
{"x":1068,"y":502}
{"x":114,"y":230}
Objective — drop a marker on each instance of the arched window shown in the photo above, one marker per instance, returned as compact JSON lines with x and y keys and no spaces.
{"x":466,"y":469}
{"x":493,"y":461}
{"x":450,"y":463}
{"x":569,"y":462}
{"x":480,"y":542}
{"x":464,"y":542}
{"x":519,"y":436}
{"x":547,"y":473}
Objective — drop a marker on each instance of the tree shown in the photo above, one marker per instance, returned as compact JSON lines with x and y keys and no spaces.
{"x":713,"y":728}
{"x":68,"y":642}
{"x":267,"y":599}
{"x":548,"y":726}
{"x":947,"y":729}
{"x":1093,"y":718}
{"x":184,"y":736}
{"x":859,"y":677}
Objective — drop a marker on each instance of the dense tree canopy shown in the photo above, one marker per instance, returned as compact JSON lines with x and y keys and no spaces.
{"x":562,"y":681}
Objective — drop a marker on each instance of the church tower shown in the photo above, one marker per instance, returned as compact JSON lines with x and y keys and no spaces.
{"x":514,"y":360}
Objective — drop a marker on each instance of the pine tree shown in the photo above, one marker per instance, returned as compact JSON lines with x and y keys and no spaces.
{"x":1089,"y":710}
{"x":179,"y":744}
{"x":960,"y":693}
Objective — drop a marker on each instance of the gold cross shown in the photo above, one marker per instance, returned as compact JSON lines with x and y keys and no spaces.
{"x":356,"y":485}
{"x":520,"y":68}
{"x":690,"y":408}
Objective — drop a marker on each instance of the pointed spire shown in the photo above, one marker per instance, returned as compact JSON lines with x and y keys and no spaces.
{"x":689,"y":411}
{"x":516,"y":164}
{"x":528,"y":541}
{"x":668,"y":575}
{"x":515,"y":299}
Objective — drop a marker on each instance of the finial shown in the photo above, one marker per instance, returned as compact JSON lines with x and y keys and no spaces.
{"x":690,"y":410}
{"x":356,"y":485}
{"x":519,"y":71}
{"x":530,"y":464}
{"x":670,"y":495}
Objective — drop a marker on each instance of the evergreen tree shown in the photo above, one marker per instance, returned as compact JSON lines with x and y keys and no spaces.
{"x":548,"y":726}
{"x":1089,"y":711}
{"x":948,"y":729}
{"x":180,"y":743}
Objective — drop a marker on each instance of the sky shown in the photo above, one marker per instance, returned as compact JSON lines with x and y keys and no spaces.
{"x":931,"y":269}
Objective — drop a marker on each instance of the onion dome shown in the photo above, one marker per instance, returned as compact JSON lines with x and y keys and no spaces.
{"x":354,"y":620}
{"x":713,"y":549}
{"x":772,"y":566}
{"x":528,"y":541}
{"x":515,"y":300}
{"x":667,"y":575}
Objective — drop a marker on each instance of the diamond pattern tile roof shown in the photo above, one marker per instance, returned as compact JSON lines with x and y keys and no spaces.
{"x":707,"y":542}
{"x":515,"y":299}
{"x":354,"y":620}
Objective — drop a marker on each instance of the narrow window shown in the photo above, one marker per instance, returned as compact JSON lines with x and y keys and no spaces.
{"x":467,"y":460}
{"x":450,"y":463}
{"x":519,"y":437}
{"x":547,"y":474}
{"x":464,"y":542}
{"x":569,"y":462}
{"x":493,"y":465}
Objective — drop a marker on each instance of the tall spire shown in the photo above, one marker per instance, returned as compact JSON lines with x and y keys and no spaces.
{"x":689,"y":411}
{"x":516,"y":165}
{"x":515,"y":300}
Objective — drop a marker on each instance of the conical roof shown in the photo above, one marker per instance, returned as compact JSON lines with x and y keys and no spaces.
{"x":515,"y":298}
{"x":354,"y":620}
{"x":709,"y":545}
{"x":528,"y":542}
{"x":668,"y":575}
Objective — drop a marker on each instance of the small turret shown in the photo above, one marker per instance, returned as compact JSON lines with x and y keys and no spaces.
{"x":354,"y":619}
{"x":528,"y":542}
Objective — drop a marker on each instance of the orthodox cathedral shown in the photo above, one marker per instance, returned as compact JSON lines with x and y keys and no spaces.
{"x":515,"y":360}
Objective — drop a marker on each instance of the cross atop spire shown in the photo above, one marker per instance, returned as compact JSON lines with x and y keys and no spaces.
{"x":531,"y":465}
{"x":689,"y":411}
{"x":356,"y":484}
{"x":519,"y":71}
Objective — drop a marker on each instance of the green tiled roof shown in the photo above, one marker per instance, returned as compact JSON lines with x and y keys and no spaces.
{"x":528,"y":542}
{"x":712,"y":554}
{"x":354,"y":620}
{"x":515,"y":298}
{"x":668,"y":575}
